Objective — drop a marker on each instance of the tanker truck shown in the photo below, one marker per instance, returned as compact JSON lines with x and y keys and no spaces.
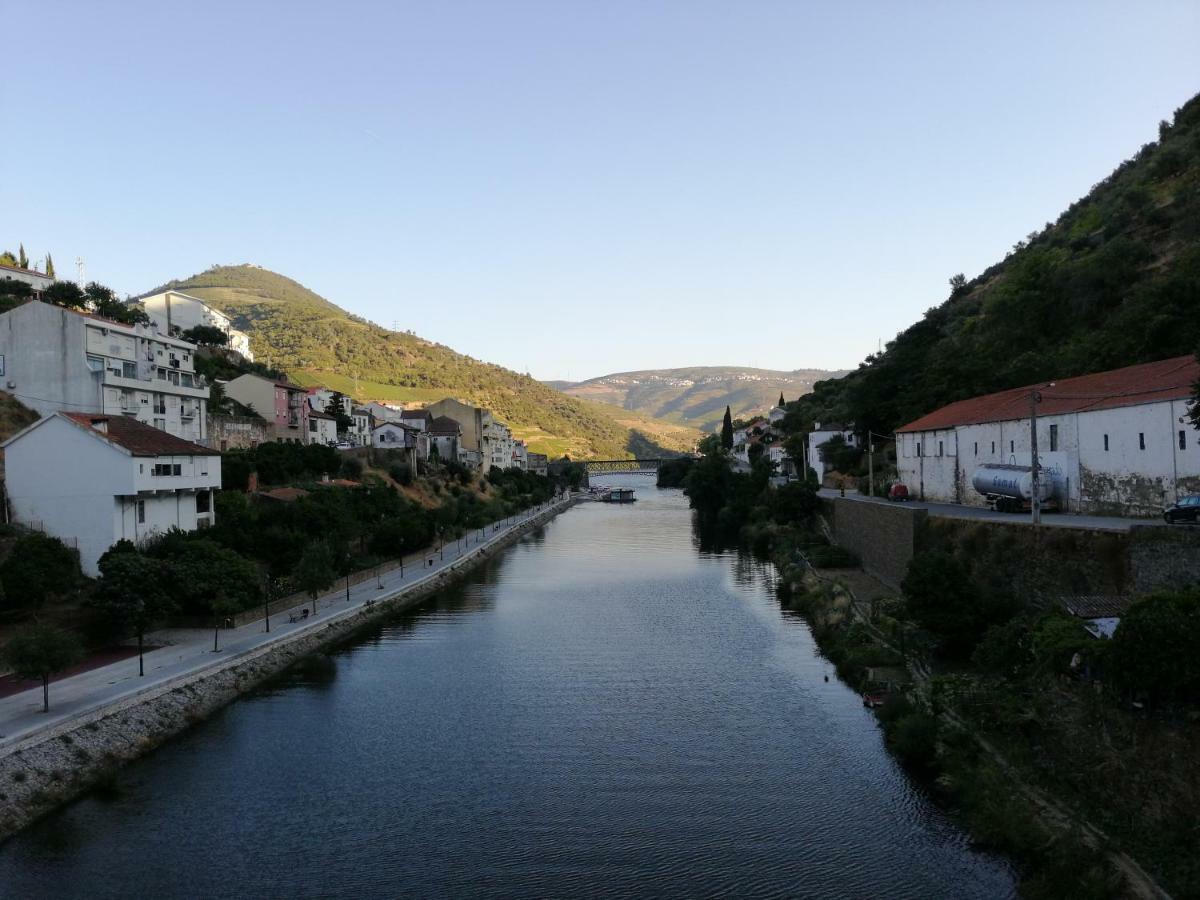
{"x":1010,"y":488}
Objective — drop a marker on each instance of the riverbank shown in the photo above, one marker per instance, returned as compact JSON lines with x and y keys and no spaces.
{"x":43,"y":769}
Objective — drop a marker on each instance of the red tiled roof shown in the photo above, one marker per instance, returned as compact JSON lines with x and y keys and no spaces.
{"x":423,"y":414}
{"x":285,"y":494}
{"x":137,"y":437}
{"x":1168,"y":379}
{"x":313,"y":414}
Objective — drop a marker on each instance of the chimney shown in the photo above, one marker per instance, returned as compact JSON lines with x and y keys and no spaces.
{"x":252,"y":483}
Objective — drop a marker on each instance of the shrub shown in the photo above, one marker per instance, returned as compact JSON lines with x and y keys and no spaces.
{"x":942,"y":598}
{"x":352,"y":468}
{"x":401,"y":473}
{"x":913,"y":738}
{"x":1156,"y":648}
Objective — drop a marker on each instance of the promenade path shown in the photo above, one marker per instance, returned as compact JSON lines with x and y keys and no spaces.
{"x":191,"y":650}
{"x":1049,"y":519}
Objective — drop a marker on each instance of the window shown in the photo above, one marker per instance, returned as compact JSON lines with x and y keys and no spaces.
{"x":202,"y":502}
{"x":993,"y":448}
{"x":141,"y":512}
{"x":128,"y":370}
{"x":1053,"y":438}
{"x":141,"y":469}
{"x":95,"y":363}
{"x":204,"y":464}
{"x":918,"y":448}
{"x":941,"y":448}
{"x":1141,"y":440}
{"x":177,"y":469}
{"x":1012,"y":446}
{"x":1106,"y":443}
{"x":1183,"y":440}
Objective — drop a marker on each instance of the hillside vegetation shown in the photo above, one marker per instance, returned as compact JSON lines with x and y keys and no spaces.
{"x":696,"y":396}
{"x":1114,"y":281}
{"x":315,"y":341}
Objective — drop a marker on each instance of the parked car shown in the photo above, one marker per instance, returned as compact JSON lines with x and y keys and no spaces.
{"x":1186,"y":509}
{"x":898,"y":493}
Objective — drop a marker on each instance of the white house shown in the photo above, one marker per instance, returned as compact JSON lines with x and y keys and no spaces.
{"x":775,"y":416}
{"x":1116,"y":442}
{"x":499,"y":445}
{"x":39,"y":281}
{"x":442,"y":439}
{"x":360,"y":431}
{"x":322,"y":428}
{"x":416,"y":418}
{"x":822,"y":433}
{"x":520,"y":456}
{"x":54,"y":359}
{"x":92,"y":480}
{"x":175,"y":312}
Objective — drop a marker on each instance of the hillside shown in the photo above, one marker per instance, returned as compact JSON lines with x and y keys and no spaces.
{"x":1113,"y":282}
{"x":315,"y":341}
{"x":696,"y":396}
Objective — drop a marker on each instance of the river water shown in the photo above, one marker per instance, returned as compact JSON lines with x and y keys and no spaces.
{"x":604,"y":710}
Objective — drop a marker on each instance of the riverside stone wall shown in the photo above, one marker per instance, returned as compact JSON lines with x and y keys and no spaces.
{"x":883,"y":536}
{"x":51,"y":767}
{"x":1164,"y":558}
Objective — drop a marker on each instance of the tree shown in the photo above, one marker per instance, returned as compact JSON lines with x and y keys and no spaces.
{"x":942,"y":598}
{"x":132,"y":592}
{"x":49,"y":266}
{"x":727,"y":430}
{"x":39,"y":567}
{"x":206,"y":336}
{"x":67,"y":294}
{"x":105,"y":302}
{"x":7,"y":258}
{"x":22,"y":259}
{"x":39,"y":651}
{"x":782,"y":402}
{"x":316,"y":570}
{"x":1156,"y":648}
{"x":336,"y":407}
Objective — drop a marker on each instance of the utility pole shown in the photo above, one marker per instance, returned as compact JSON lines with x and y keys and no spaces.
{"x":870,"y":466}
{"x":267,"y":602}
{"x":1036,"y":502}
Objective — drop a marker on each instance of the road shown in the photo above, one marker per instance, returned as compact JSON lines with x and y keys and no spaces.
{"x":1050,"y":520}
{"x":191,"y":650}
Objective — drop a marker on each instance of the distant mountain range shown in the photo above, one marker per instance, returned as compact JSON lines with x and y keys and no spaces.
{"x":318,"y":342}
{"x":696,"y":396}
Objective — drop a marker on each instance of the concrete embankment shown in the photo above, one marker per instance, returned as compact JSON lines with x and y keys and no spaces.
{"x":58,"y":764}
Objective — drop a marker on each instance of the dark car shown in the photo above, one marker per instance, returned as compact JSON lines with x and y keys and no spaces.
{"x":1186,"y":509}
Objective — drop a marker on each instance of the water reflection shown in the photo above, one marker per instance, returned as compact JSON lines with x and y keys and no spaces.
{"x":601,"y":712}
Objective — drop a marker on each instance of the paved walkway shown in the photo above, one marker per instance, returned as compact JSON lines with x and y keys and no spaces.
{"x":1049,"y":519}
{"x":192,"y":650}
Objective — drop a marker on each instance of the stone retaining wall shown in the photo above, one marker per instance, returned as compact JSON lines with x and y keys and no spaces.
{"x":883,"y":536}
{"x":51,"y":767}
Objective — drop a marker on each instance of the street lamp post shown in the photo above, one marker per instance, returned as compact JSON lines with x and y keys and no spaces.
{"x":1035,"y":504}
{"x":267,"y":602}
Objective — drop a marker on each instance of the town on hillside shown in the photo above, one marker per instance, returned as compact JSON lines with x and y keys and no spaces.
{"x":123,"y":431}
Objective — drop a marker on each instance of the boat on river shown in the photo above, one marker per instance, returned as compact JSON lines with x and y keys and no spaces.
{"x":618,"y":495}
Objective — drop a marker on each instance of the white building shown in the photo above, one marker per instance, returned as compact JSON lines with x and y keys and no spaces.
{"x":442,"y":439}
{"x":822,"y":433}
{"x":175,"y":312}
{"x":39,"y":281}
{"x":1117,"y":442}
{"x":92,"y":480}
{"x":520,"y":456}
{"x":322,"y":428}
{"x":775,"y":416}
{"x":54,"y":359}
{"x":416,"y":418}
{"x":364,"y":423}
{"x":319,"y":397}
{"x":384,"y":412}
{"x":498,"y":444}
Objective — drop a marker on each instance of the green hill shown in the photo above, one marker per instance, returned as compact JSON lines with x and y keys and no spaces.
{"x":697,"y":396}
{"x":1114,"y":282}
{"x":317,"y":342}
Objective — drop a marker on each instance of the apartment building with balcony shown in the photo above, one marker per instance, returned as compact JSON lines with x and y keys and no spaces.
{"x":175,"y":311}
{"x":282,"y":404}
{"x":92,"y":479}
{"x":54,"y":359}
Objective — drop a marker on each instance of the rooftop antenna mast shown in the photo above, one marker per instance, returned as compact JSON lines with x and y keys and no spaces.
{"x":79,"y":269}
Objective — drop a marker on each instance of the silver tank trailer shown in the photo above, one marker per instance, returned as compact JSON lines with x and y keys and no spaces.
{"x":1011,"y":483}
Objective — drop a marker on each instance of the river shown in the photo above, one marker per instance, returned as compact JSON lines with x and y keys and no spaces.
{"x":603,"y":710}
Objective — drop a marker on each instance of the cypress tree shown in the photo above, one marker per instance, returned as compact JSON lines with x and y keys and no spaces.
{"x":781,"y":401}
{"x":49,"y":266}
{"x":22,"y":259}
{"x":727,"y":430}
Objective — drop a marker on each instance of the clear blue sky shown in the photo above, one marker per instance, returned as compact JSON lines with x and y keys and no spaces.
{"x":778,"y":184}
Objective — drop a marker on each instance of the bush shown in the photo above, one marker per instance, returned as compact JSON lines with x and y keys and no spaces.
{"x":401,"y":473}
{"x":913,"y":738}
{"x":941,"y":597}
{"x":352,"y":468}
{"x":38,"y":568}
{"x":1156,"y":648}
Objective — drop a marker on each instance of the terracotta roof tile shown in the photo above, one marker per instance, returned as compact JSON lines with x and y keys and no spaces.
{"x":137,"y":437}
{"x":1168,"y":379}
